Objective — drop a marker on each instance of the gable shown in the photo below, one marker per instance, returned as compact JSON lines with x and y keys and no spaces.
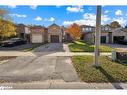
{"x":119,"y":32}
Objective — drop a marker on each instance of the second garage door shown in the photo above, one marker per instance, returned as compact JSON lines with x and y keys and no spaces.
{"x":37,"y":39}
{"x":54,"y":39}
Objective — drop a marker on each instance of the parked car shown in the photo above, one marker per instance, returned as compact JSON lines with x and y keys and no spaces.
{"x":13,"y":42}
{"x":123,"y":42}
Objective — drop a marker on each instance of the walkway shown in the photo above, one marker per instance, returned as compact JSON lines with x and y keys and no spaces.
{"x":58,"y":84}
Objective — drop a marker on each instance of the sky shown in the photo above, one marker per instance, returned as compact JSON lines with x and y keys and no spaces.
{"x":66,"y":15}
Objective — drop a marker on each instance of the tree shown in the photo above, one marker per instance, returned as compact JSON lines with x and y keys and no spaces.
{"x":7,"y":28}
{"x":74,"y":31}
{"x":115,"y":24}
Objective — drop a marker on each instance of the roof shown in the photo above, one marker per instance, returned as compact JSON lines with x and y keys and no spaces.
{"x":124,"y":29}
{"x":37,"y":27}
{"x":21,"y":25}
{"x":87,"y":26}
{"x":54,"y":25}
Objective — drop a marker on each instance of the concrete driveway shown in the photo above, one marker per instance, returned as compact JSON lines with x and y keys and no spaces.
{"x":40,"y":68}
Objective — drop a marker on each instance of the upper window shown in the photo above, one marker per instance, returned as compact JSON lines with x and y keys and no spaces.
{"x":83,"y":29}
{"x":87,"y":29}
{"x":106,"y":28}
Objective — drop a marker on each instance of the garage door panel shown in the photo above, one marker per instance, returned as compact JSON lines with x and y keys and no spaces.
{"x":116,"y":39}
{"x":37,"y":39}
{"x":54,"y":39}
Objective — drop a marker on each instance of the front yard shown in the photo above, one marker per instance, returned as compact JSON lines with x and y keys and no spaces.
{"x":108,"y":72}
{"x":80,"y":46}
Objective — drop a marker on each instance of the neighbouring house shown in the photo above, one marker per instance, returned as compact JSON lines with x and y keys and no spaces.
{"x":86,"y":29}
{"x":38,"y":34}
{"x":108,"y":35}
{"x":66,"y":35}
{"x":22,"y":31}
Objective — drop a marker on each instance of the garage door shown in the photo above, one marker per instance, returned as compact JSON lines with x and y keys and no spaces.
{"x":116,"y":39}
{"x":54,"y":39}
{"x":36,"y":38}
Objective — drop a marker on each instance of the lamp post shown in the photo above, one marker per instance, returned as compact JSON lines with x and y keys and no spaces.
{"x":97,"y":35}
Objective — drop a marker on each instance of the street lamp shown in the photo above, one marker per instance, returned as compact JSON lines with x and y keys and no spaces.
{"x":97,"y":36}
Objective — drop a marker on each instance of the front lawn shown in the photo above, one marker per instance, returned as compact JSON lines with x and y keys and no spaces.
{"x":108,"y":72}
{"x":80,"y":46}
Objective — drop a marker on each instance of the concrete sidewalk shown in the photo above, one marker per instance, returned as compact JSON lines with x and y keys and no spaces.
{"x":74,"y":54}
{"x":18,"y":53}
{"x":58,"y":84}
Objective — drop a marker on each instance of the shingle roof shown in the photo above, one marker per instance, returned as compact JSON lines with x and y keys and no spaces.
{"x":53,"y":25}
{"x":37,"y":27}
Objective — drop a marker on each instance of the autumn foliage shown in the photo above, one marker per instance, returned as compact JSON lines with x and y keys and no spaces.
{"x":7,"y":27}
{"x":74,"y":31}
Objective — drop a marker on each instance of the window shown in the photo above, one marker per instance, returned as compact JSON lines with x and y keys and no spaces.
{"x":87,"y":29}
{"x":90,"y":29}
{"x":106,"y":28}
{"x":83,"y":29}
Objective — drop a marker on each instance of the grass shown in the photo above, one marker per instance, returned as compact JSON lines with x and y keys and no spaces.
{"x":108,"y":72}
{"x":80,"y":46}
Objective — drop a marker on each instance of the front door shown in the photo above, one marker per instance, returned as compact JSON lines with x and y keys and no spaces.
{"x":54,"y":38}
{"x":103,"y":39}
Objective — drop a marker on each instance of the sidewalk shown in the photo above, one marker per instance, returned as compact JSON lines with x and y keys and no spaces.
{"x":58,"y":84}
{"x":18,"y":53}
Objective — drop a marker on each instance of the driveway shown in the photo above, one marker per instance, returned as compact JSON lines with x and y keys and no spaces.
{"x":40,"y":68}
{"x":17,"y":48}
{"x":118,"y":47}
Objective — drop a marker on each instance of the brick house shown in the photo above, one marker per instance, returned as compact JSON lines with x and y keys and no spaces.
{"x":22,"y":31}
{"x":55,"y":34}
{"x":38,"y":34}
{"x":52,"y":34}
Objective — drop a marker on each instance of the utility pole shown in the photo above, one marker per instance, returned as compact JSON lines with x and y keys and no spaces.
{"x":97,"y":35}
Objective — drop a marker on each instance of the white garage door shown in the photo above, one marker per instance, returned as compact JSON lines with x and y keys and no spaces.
{"x":37,"y":39}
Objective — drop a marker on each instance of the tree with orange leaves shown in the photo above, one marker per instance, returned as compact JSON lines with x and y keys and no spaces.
{"x":74,"y":31}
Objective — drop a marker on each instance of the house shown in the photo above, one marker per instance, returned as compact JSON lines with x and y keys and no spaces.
{"x":51,"y":34}
{"x":66,"y":35}
{"x":22,"y":31}
{"x":55,"y":33}
{"x":86,"y":29}
{"x":108,"y":35}
{"x":38,"y":34}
